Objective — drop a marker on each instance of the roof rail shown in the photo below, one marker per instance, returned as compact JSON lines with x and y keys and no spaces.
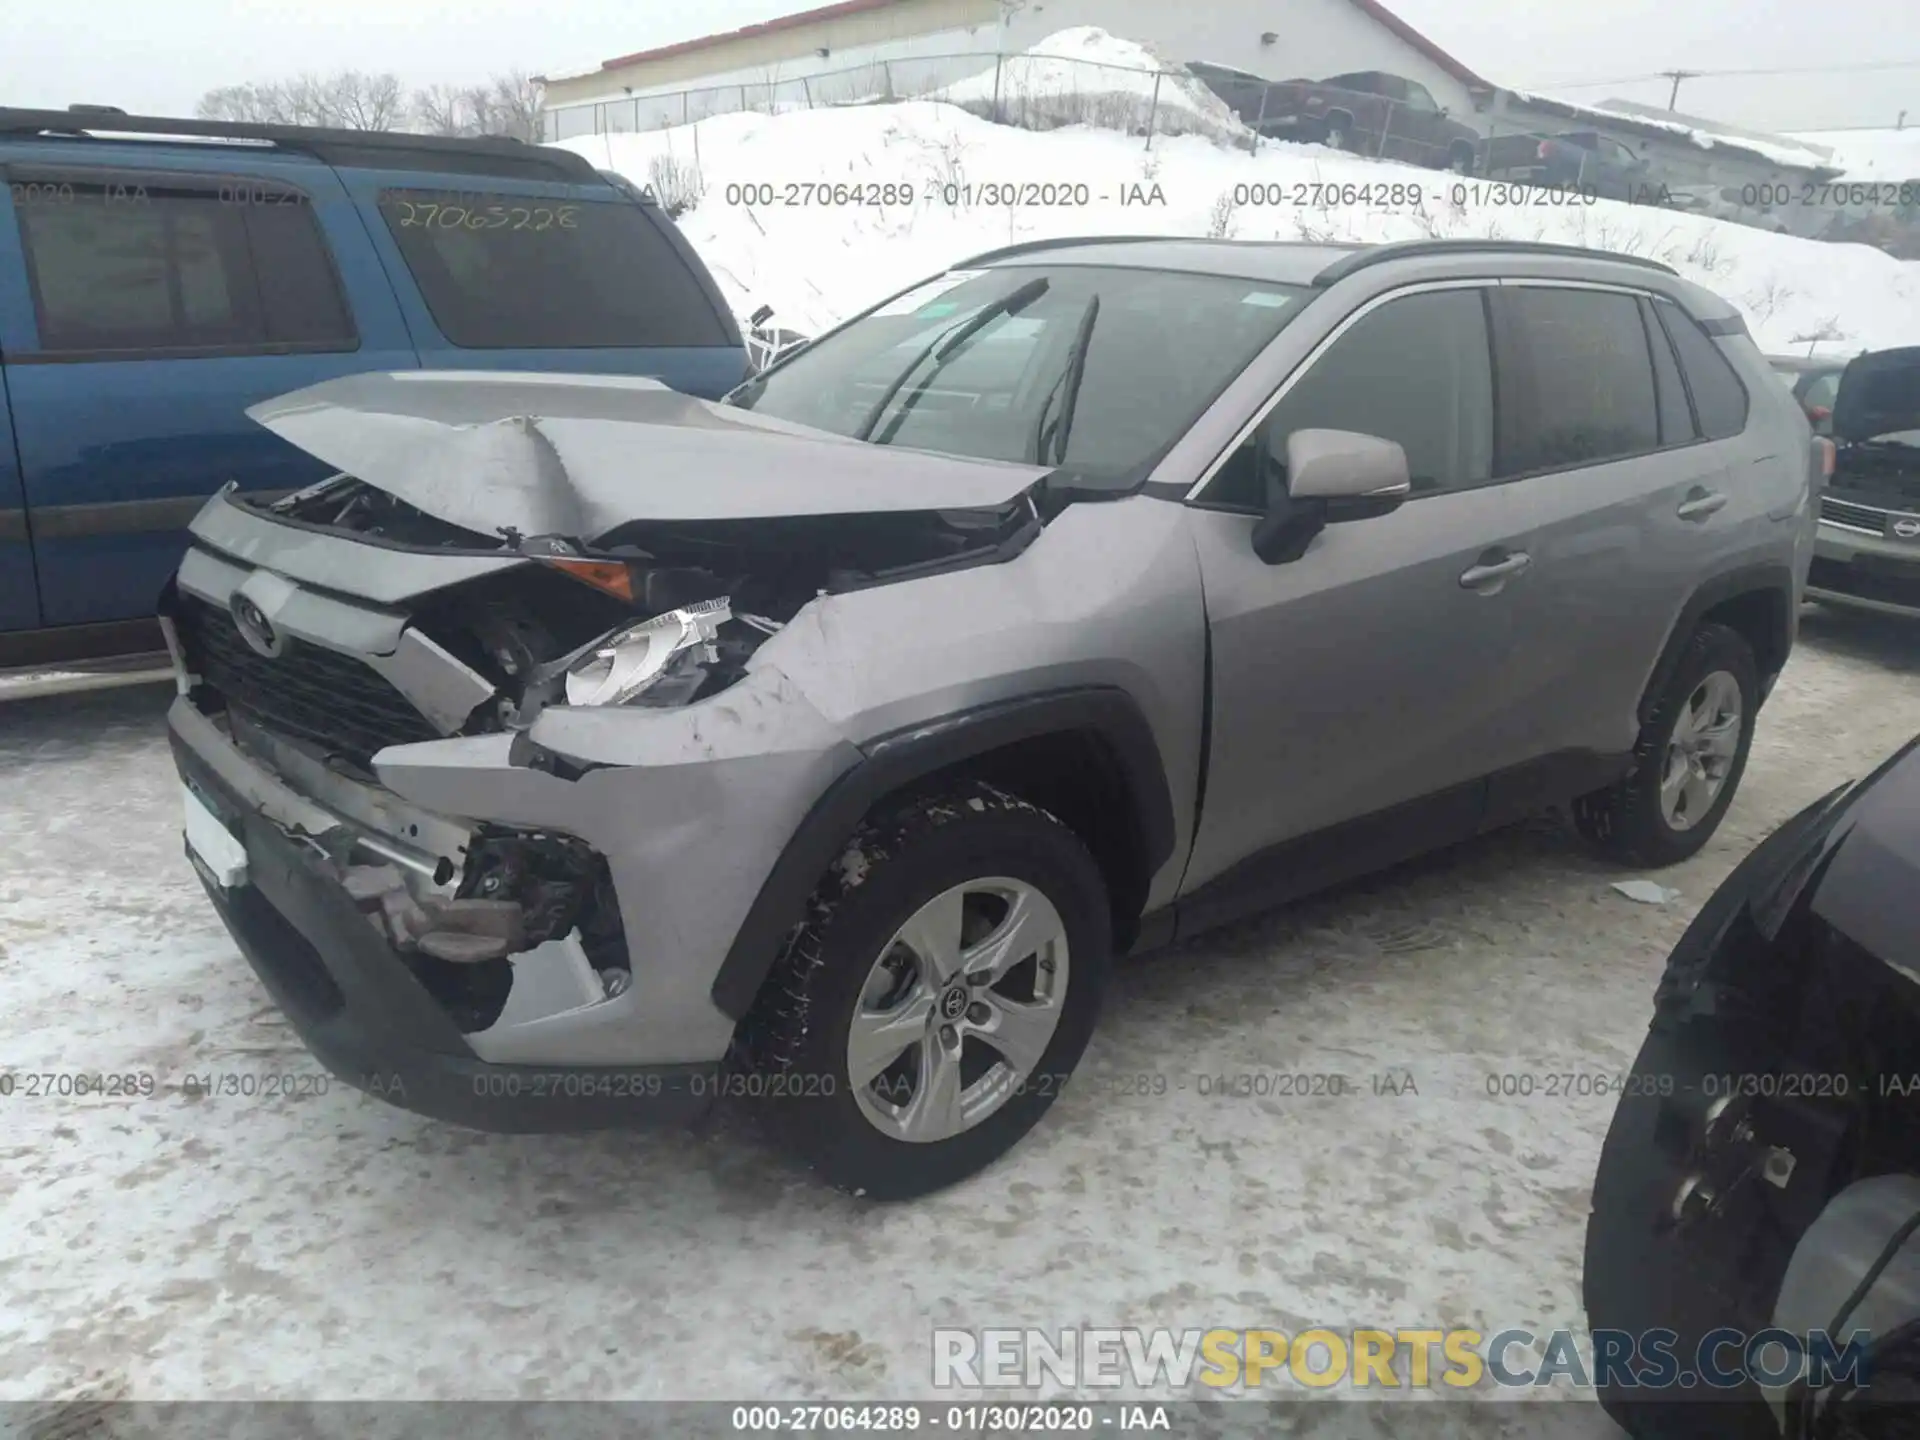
{"x":392,"y":149}
{"x":1413,"y":249}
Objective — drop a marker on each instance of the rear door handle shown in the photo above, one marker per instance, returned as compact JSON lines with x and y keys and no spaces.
{"x":1489,"y":575}
{"x":1700,"y":504}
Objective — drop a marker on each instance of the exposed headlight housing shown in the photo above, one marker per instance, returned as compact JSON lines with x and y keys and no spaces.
{"x":663,"y":659}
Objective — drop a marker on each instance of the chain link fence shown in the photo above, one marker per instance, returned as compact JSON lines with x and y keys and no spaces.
{"x":1034,"y":92}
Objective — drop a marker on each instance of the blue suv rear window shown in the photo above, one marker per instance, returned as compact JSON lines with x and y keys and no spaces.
{"x":153,"y":265}
{"x":520,"y":272}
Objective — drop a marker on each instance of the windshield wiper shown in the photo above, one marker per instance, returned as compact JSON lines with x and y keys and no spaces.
{"x":942,"y":346}
{"x":1050,"y":447}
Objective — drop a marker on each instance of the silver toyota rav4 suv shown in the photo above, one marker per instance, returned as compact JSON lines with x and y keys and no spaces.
{"x":582,"y":752}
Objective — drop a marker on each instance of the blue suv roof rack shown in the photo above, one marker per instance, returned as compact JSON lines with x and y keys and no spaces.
{"x":368,"y":149}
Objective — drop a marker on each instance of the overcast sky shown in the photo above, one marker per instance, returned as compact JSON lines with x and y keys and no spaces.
{"x":160,"y":58}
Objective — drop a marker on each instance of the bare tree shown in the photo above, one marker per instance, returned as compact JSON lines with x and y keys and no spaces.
{"x":509,"y":105}
{"x":445,"y":110}
{"x":359,"y":101}
{"x":350,"y":100}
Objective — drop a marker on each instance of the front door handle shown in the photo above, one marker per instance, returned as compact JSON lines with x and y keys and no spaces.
{"x":1490,"y":574}
{"x":1699,"y":504}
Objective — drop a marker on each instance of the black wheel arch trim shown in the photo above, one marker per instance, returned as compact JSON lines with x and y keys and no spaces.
{"x":898,"y":759}
{"x":1773,"y":578}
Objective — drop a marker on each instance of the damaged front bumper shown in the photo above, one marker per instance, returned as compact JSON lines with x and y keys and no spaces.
{"x":307,"y":908}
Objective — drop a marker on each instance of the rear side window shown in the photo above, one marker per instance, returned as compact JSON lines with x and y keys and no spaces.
{"x":157,"y":266}
{"x":1576,"y":378}
{"x":514,"y":272}
{"x":1719,"y":398}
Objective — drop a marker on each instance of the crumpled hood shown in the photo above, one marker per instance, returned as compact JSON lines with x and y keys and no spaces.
{"x":580,"y":455}
{"x":1879,"y":394}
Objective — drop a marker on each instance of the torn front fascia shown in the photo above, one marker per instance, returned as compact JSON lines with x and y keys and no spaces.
{"x":460,"y":932}
{"x":518,"y":892}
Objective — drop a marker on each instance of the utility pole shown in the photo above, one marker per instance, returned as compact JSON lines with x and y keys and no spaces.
{"x":1673,"y":99}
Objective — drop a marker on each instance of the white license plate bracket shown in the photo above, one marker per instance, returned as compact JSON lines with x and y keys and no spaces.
{"x":213,"y":848}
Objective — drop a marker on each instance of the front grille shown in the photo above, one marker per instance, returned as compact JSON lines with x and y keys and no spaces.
{"x":1867,"y":519}
{"x":309,"y":693}
{"x":1890,"y":586}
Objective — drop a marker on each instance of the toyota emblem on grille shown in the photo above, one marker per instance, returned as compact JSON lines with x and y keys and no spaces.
{"x":255,"y":628}
{"x":1907,"y":527}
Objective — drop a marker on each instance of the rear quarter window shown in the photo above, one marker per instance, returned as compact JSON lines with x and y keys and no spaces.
{"x":1719,"y":399}
{"x":520,"y":272}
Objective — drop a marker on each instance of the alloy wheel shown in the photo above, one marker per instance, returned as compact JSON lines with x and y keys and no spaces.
{"x":958,"y":1009}
{"x":1701,"y":751}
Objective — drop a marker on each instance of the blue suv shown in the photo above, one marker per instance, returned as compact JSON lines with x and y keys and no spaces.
{"x":159,"y":276}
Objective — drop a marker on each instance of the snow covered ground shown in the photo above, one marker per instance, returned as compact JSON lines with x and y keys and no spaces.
{"x":272,"y":1235}
{"x":818,"y":256}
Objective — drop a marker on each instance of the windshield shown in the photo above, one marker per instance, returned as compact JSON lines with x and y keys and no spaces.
{"x":1097,"y":370}
{"x":1820,"y":390}
{"x":1882,"y":400}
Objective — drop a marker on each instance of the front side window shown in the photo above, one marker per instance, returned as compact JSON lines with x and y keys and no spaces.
{"x":134,"y":268}
{"x":530,"y":272}
{"x":1419,"y":98}
{"x":1577,"y":379}
{"x":1416,"y":370}
{"x":983,"y":363}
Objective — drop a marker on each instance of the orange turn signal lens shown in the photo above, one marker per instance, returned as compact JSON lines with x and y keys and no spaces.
{"x":610,"y":577}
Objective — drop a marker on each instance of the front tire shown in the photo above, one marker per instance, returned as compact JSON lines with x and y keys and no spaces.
{"x":931,"y":1005}
{"x":1688,"y":762}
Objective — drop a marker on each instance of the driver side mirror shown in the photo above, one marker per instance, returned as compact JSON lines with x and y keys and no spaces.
{"x":1330,"y":477}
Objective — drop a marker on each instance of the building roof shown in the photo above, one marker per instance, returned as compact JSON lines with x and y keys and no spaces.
{"x":1372,"y":8}
{"x":746,"y":32}
{"x":1421,"y":43}
{"x":1648,"y":123}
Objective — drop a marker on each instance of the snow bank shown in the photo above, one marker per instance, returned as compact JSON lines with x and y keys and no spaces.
{"x":1889,"y":155}
{"x":1086,"y":76}
{"x":818,"y":256}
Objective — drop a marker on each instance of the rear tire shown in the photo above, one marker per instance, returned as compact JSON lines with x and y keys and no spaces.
{"x":1687,"y":762}
{"x":856,"y":980}
{"x":1338,"y":136}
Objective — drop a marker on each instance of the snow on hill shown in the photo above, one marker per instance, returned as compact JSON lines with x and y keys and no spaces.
{"x":782,"y":217}
{"x":1883,"y":155}
{"x":1088,"y":75}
